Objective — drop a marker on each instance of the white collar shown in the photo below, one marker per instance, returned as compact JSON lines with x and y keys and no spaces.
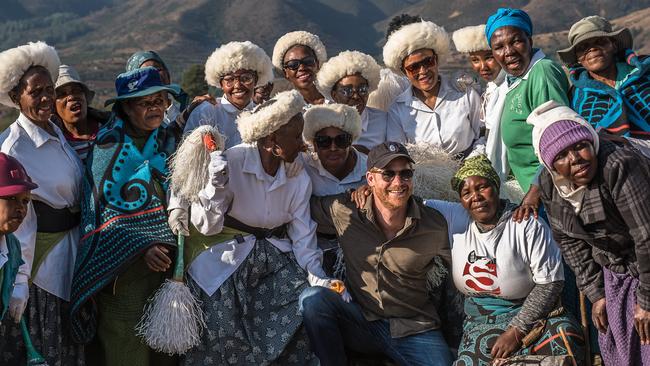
{"x":356,"y":175}
{"x":230,"y":108}
{"x":38,"y":135}
{"x":253,"y":165}
{"x":539,"y":55}
{"x":409,"y":98}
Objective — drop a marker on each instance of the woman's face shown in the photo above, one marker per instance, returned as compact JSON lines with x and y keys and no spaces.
{"x":333,"y":147}
{"x":35,"y":95}
{"x":485,"y":65}
{"x":421,"y":68}
{"x":353,"y":91}
{"x":12,"y":211}
{"x":513,"y":49}
{"x":300,"y":66}
{"x":262,"y":93}
{"x":288,"y":139}
{"x":577,"y":163}
{"x":596,"y":54}
{"x":164,"y":73}
{"x":238,"y":87}
{"x":480,"y":198}
{"x":71,"y":104}
{"x":146,"y":113}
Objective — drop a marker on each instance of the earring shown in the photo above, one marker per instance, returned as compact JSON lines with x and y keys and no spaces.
{"x":274,"y":152}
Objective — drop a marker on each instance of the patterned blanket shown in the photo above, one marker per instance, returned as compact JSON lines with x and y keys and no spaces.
{"x":122,"y":214}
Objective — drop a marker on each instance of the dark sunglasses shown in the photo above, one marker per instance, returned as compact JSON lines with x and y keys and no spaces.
{"x":389,"y":175}
{"x":347,"y":91}
{"x":308,"y":61}
{"x":342,"y":141}
{"x":426,"y":63}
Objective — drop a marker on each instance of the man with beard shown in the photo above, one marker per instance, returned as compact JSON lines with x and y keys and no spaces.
{"x":395,"y":248}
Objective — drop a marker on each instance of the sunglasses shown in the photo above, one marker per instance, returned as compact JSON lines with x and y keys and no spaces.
{"x":389,"y":175}
{"x":348,"y":91}
{"x":308,"y":61}
{"x":416,"y":66}
{"x":342,"y":141}
{"x":246,"y":78}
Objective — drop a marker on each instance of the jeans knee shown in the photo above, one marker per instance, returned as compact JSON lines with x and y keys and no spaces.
{"x":313,"y":301}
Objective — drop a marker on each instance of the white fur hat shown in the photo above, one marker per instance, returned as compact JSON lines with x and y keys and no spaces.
{"x":269,"y":116}
{"x":344,"y":64}
{"x":16,"y":61}
{"x":471,"y":39}
{"x":336,"y":115}
{"x":294,"y":38}
{"x":413,"y":37}
{"x":234,"y":56}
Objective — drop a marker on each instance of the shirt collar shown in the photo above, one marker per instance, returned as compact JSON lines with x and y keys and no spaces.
{"x":253,"y":165}
{"x":412,"y":211}
{"x":38,"y":135}
{"x":409,"y":98}
{"x":230,"y":108}
{"x":357,"y":174}
{"x":513,"y":81}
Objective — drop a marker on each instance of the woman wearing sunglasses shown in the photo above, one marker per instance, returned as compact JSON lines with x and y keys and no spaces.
{"x":349,"y":78}
{"x":335,"y":165}
{"x":432,"y":111}
{"x":299,"y":55}
{"x":236,"y":68}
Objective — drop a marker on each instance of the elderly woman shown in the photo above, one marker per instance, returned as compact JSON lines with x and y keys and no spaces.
{"x":349,"y":78}
{"x":236,"y":68}
{"x":49,"y":235}
{"x":511,"y":274}
{"x":300,"y":55}
{"x":596,"y":196}
{"x":335,"y":166}
{"x":78,"y":121}
{"x":179,"y":101}
{"x":431,"y":111}
{"x":126,"y":243}
{"x":611,"y":84}
{"x":249,"y":282}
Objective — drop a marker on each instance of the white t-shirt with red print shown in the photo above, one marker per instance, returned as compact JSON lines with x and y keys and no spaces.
{"x":505,"y":262}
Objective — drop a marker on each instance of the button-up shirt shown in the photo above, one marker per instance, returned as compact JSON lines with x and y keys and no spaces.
{"x":222,"y":115}
{"x":325,"y":184}
{"x":387,"y":277}
{"x":56,"y":168}
{"x":612,"y":228}
{"x":454,"y":123}
{"x":373,"y":128}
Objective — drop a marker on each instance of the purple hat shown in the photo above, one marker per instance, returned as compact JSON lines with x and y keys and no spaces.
{"x":560,"y":135}
{"x":13,"y":177}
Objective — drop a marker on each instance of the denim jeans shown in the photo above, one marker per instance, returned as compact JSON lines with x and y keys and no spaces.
{"x":334,"y":326}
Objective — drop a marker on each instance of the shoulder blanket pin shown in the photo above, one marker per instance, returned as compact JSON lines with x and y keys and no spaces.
{"x":173,"y":320}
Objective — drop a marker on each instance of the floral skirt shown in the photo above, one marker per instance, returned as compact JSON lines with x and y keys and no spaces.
{"x":253,"y":318}
{"x":49,"y":328}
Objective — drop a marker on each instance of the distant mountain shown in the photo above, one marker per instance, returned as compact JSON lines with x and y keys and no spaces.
{"x":98,"y":36}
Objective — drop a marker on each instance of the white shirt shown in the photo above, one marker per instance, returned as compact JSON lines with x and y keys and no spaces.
{"x":222,"y":115}
{"x":4,"y":251}
{"x":507,"y":267}
{"x":259,"y":200}
{"x":373,"y":128}
{"x":171,"y":113}
{"x":324,"y":183}
{"x":56,"y":168}
{"x":454,"y":124}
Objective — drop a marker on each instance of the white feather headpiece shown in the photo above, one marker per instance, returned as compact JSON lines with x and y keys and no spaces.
{"x":413,"y":37}
{"x":291,"y":39}
{"x":269,"y":116}
{"x":471,"y":39}
{"x":341,"y":116}
{"x":347,"y":63}
{"x":234,"y":56}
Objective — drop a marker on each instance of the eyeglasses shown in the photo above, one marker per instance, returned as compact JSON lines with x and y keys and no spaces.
{"x":389,"y":175}
{"x":348,"y":91}
{"x":308,"y":61}
{"x":342,"y":141}
{"x":247,"y":78}
{"x":426,"y":63}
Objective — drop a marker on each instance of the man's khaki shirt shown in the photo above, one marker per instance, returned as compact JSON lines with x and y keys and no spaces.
{"x":387,"y":278}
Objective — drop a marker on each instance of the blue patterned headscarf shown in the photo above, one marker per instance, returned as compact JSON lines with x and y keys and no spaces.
{"x":508,"y":17}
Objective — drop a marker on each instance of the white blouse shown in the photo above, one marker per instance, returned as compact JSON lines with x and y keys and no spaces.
{"x":222,"y":115}
{"x":324,"y":183}
{"x":373,"y":128}
{"x":454,"y":124}
{"x":55,"y":167}
{"x":259,"y":200}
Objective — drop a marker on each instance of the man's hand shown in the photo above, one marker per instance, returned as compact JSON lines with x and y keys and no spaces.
{"x":360,"y":195}
{"x":642,"y":324}
{"x":157,"y":259}
{"x":599,"y":315}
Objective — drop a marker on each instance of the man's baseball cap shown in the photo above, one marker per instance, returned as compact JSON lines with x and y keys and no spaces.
{"x":382,"y":154}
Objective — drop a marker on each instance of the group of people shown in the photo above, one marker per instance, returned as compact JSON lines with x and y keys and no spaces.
{"x":303,"y":240}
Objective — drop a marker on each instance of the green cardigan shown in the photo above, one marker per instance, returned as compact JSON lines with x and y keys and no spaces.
{"x":8,"y":272}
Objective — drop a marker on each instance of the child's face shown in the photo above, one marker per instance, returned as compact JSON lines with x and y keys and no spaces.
{"x":12,"y":211}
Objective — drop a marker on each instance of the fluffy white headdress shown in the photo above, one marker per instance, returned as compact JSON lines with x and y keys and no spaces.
{"x":269,"y":116}
{"x":294,"y":38}
{"x":336,"y":115}
{"x":16,"y":61}
{"x":411,"y":38}
{"x":234,"y":56}
{"x":471,"y":39}
{"x":344,"y":64}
